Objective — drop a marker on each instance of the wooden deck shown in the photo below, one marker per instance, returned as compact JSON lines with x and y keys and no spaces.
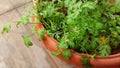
{"x":13,"y":52}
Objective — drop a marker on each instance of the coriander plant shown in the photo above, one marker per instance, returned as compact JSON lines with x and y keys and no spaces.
{"x":86,"y":26}
{"x":89,"y":26}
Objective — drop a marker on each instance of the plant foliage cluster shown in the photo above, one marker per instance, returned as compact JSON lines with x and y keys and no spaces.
{"x":87,"y":26}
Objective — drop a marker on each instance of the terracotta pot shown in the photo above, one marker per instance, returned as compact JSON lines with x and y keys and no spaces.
{"x":112,"y":61}
{"x":111,"y":1}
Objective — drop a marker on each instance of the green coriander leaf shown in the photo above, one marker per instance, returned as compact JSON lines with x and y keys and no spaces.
{"x":93,"y":56}
{"x":93,"y":43}
{"x":36,"y":21}
{"x":41,"y":33}
{"x":25,"y":20}
{"x":27,"y":41}
{"x":118,"y":38}
{"x":86,"y":62}
{"x":18,"y":23}
{"x":105,"y":50}
{"x":66,"y":54}
{"x":62,"y":45}
{"x":116,"y":43}
{"x":6,"y":28}
{"x":84,"y":59}
{"x":89,"y":4}
{"x":55,"y":53}
{"x":118,"y":29}
{"x":112,"y":22}
{"x":99,"y":25}
{"x":34,"y":30}
{"x":116,"y":6}
{"x":70,"y":3}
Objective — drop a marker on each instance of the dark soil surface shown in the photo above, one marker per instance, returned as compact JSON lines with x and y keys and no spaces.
{"x":116,"y":50}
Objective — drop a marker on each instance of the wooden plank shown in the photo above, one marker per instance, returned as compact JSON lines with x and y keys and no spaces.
{"x":13,"y":52}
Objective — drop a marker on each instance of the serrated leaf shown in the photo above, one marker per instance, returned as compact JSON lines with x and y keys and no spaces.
{"x":41,"y":33}
{"x":25,"y":20}
{"x":34,"y":30}
{"x":93,"y":43}
{"x":116,"y":5}
{"x":84,"y":59}
{"x":66,"y":54}
{"x":89,"y":4}
{"x":18,"y":23}
{"x":62,"y":45}
{"x":105,"y":50}
{"x":93,"y":56}
{"x":55,"y":53}
{"x":86,"y":62}
{"x":6,"y":28}
{"x":69,"y":3}
{"x":36,"y":22}
{"x":99,"y":25}
{"x":27,"y":41}
{"x":118,"y":29}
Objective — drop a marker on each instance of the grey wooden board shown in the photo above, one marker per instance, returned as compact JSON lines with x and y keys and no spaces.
{"x":5,"y":5}
{"x":13,"y":52}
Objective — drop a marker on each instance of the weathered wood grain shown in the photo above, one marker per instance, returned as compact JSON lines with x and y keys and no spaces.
{"x":13,"y":52}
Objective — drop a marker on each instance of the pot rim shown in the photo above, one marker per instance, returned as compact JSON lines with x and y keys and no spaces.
{"x":100,"y":57}
{"x":96,"y":57}
{"x":40,"y":26}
